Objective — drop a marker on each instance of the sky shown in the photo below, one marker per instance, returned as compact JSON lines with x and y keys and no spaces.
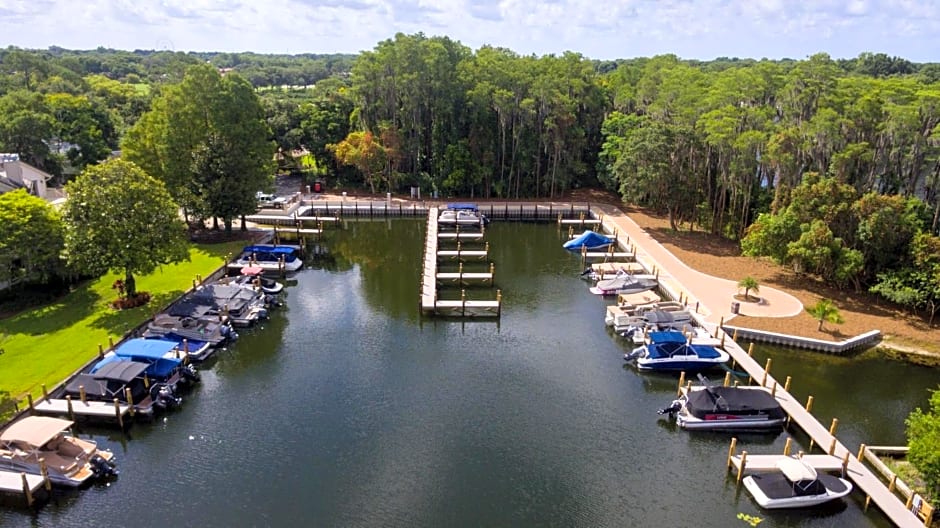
{"x":598,"y":29}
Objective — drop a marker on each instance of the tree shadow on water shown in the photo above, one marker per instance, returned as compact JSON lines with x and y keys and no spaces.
{"x":62,"y":313}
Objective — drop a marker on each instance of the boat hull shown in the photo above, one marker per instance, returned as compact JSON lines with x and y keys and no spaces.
{"x":687,"y":365}
{"x":771,"y":491}
{"x":729,"y":422}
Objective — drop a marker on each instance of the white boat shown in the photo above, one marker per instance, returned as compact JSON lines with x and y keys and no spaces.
{"x":608,"y":270}
{"x":627,"y":304}
{"x":625,"y":283}
{"x":796,"y":485}
{"x":654,"y":317}
{"x":69,"y":461}
{"x":463,"y":217}
{"x":718,"y":408}
{"x":252,"y":277}
{"x":671,"y":351}
{"x":271,"y":257}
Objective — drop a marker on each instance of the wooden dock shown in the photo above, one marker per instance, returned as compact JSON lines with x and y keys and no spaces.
{"x":430,"y":278}
{"x":463,"y":254}
{"x":768,"y":463}
{"x":607,"y":255}
{"x":460,"y":235}
{"x":73,"y":409}
{"x":22,"y":484}
{"x":864,"y":479}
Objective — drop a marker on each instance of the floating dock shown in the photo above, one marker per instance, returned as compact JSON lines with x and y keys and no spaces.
{"x":460,"y":235}
{"x":97,"y":410}
{"x":464,"y":254}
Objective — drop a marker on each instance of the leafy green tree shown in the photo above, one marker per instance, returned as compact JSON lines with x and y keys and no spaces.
{"x":770,"y":235}
{"x":83,"y":124}
{"x":26,"y":127}
{"x":918,"y":284}
{"x":118,"y":218}
{"x":825,"y":311}
{"x":923,"y":439}
{"x":32,"y":237}
{"x":749,"y":284}
{"x":363,"y":151}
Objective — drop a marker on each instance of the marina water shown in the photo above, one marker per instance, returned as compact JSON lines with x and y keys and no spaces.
{"x":348,"y":409}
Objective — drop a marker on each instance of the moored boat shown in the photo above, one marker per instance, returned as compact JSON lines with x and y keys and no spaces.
{"x":624,"y":283}
{"x":252,"y":277}
{"x":462,"y":214}
{"x":271,"y":257}
{"x":673,"y":352}
{"x":795,"y":485}
{"x":125,"y":382}
{"x":207,"y":329}
{"x":718,"y":408}
{"x":588,"y":240}
{"x":69,"y":461}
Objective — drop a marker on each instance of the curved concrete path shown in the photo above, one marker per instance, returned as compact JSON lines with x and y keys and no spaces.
{"x":714,"y":295}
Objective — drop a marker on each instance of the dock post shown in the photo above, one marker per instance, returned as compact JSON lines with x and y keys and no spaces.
{"x":81,"y":393}
{"x":787,"y":446}
{"x":809,"y":404}
{"x":734,"y":443}
{"x":44,"y":473}
{"x":117,"y":413}
{"x":832,"y":446}
{"x":861,"y":452}
{"x":773,"y":389}
{"x":460,"y":273}
{"x":146,"y":381}
{"x":786,"y":384}
{"x":559,"y":220}
{"x":130,"y":400}
{"x":26,"y":491}
{"x":194,"y":283}
{"x":750,"y":350}
{"x":763,"y":382}
{"x":741,"y":467}
{"x":29,"y":399}
{"x":727,"y":379}
{"x":583,"y":255}
{"x":499,"y":302}
{"x":834,"y":426}
{"x":893,"y":484}
{"x":110,"y":341}
{"x":68,"y":403}
{"x":681,"y":383}
{"x":100,"y":351}
{"x":486,"y":248}
{"x":721,"y":323}
{"x":492,"y":273}
{"x":45,"y":393}
{"x":845,"y":463}
{"x":696,"y":306}
{"x":463,"y":302}
{"x":734,"y":336}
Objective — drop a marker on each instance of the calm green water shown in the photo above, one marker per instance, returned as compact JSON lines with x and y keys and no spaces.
{"x":347,"y":409}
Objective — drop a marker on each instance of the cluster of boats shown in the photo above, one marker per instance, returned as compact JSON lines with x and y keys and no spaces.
{"x":462,"y":214}
{"x":665,"y":337}
{"x":147,"y":374}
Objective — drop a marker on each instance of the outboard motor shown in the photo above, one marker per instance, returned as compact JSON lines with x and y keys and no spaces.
{"x":673,"y":409}
{"x":103,"y":468}
{"x":163,"y":397}
{"x":189,"y":373}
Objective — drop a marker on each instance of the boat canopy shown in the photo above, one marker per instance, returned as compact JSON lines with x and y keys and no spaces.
{"x":733,"y":400}
{"x":796,"y":470}
{"x":120,"y":370}
{"x":667,"y":337}
{"x":277,"y":250}
{"x":35,"y":430}
{"x":670,"y":349}
{"x":463,"y":207}
{"x":252,"y":271}
{"x":588,"y":239}
{"x":148,"y":351}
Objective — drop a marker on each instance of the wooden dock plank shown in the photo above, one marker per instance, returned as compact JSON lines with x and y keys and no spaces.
{"x":608,"y":255}
{"x":465,"y":277}
{"x":468,"y":308}
{"x":12,"y":482}
{"x":576,"y":221}
{"x":97,"y":409}
{"x":460,"y":235}
{"x":863,"y":478}
{"x":463,"y":254}
{"x":429,"y":274}
{"x":768,"y":463}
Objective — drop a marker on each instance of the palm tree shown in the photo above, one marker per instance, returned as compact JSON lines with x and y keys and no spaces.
{"x":749,"y":283}
{"x":825,"y":310}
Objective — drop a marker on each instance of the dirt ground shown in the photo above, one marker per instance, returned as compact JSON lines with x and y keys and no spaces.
{"x":908,"y":334}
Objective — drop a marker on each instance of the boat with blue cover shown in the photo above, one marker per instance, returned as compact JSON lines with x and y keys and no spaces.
{"x":164,"y":359}
{"x":588,"y":240}
{"x":464,"y":214}
{"x":270,"y":256}
{"x":671,"y":351}
{"x":123,"y":381}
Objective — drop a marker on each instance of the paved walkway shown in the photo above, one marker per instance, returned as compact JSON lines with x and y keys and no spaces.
{"x":713,"y":294}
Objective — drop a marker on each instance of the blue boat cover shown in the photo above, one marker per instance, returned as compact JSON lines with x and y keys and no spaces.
{"x":667,"y":337}
{"x":463,"y":206}
{"x":277,"y":250}
{"x":148,"y":351}
{"x":588,"y":239}
{"x":671,"y":348}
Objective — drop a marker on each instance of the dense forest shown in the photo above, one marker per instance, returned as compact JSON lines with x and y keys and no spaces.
{"x":830,"y":166}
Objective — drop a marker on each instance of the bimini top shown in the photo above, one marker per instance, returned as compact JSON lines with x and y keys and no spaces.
{"x":463,"y":207}
{"x":252,"y":271}
{"x":35,"y":430}
{"x":796,"y":470}
{"x":150,"y":352}
{"x":667,"y":337}
{"x":276,"y":250}
{"x":588,"y":239}
{"x":113,"y":368}
{"x":670,"y":349}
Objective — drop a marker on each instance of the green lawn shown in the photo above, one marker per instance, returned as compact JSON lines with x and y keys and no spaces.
{"x":46,"y":344}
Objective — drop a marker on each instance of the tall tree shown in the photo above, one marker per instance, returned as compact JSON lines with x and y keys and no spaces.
{"x":32,"y":237}
{"x":118,"y":218}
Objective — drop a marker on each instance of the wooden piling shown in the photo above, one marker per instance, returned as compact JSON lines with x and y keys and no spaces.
{"x":787,"y":446}
{"x":809,"y":404}
{"x":763,"y":382}
{"x":681,"y":383}
{"x":129,"y":396}
{"x":118,"y":414}
{"x":786,"y":384}
{"x":100,"y":351}
{"x":68,"y":403}
{"x":81,"y":393}
{"x":29,"y":399}
{"x":110,"y":342}
{"x":741,"y":467}
{"x":734,"y":443}
{"x":834,"y":426}
{"x":28,"y":493}
{"x":45,"y":393}
{"x":44,"y":473}
{"x":727,"y":379}
{"x":832,"y":446}
{"x":861,"y":451}
{"x":773,"y":390}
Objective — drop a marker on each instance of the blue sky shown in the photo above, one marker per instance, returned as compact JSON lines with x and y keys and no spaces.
{"x":600,"y":29}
